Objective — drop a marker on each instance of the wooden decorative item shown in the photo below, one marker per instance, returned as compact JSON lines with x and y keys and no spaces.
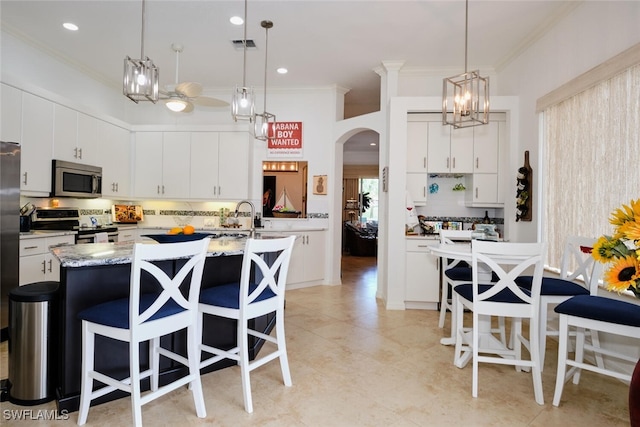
{"x":523,"y":191}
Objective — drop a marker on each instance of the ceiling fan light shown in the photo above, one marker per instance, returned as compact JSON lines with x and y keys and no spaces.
{"x":176,"y":105}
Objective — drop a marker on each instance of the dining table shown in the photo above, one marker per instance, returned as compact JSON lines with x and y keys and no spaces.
{"x":462,"y":251}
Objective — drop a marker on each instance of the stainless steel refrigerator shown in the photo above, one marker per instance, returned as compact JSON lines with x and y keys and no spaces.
{"x":9,"y":226}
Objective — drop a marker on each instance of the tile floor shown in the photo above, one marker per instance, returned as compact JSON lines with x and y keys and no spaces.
{"x":353,"y":363}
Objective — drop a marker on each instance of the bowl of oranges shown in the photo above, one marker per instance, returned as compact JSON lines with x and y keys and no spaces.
{"x":178,"y":234}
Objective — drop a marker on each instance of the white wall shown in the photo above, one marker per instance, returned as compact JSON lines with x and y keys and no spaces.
{"x":588,"y":36}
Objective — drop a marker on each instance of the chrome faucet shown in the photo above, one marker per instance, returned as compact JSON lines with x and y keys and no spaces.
{"x":253,"y":214}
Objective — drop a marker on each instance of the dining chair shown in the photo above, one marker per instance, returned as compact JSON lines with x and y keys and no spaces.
{"x":261,"y":291}
{"x":576,"y":273}
{"x":595,"y":313}
{"x":456,"y":272}
{"x":501,"y":298}
{"x":146,"y":316}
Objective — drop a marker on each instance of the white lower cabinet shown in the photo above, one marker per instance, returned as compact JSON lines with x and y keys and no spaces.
{"x":422,"y":288}
{"x":307,"y":259}
{"x":37,"y":264}
{"x":127,"y":234}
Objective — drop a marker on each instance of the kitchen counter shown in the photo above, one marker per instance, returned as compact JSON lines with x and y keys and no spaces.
{"x":96,"y":254}
{"x":44,"y":233}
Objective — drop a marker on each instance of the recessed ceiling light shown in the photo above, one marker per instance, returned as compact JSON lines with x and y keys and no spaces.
{"x":69,"y":26}
{"x":236,"y":20}
{"x":282,"y":70}
{"x":373,"y":144}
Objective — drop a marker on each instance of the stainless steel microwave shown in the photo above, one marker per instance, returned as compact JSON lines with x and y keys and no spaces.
{"x":75,"y":180}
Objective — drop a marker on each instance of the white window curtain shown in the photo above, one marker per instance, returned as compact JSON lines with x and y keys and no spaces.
{"x":592,"y":159}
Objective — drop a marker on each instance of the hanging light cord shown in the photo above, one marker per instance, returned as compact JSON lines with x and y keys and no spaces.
{"x":244,"y":43}
{"x":466,"y":30}
{"x":266,"y":25}
{"x":142,"y":35}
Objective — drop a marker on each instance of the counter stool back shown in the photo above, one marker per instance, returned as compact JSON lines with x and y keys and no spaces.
{"x":147,"y":317}
{"x":268,"y":261}
{"x":453,"y":272}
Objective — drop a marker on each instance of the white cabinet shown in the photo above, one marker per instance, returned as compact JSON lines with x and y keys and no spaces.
{"x":486,"y":148}
{"x":37,"y":145}
{"x":482,"y":190}
{"x":127,"y":234}
{"x":219,"y":165}
{"x":485,"y":188}
{"x":417,"y":188}
{"x":449,"y":150}
{"x":10,"y":114}
{"x":114,"y":152}
{"x":161,"y":165}
{"x":307,"y":259}
{"x":417,"y":137}
{"x":36,"y":262}
{"x":422,"y":287}
{"x":74,"y":136}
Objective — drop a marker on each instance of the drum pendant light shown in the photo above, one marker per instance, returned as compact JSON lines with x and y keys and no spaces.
{"x":263,"y":123}
{"x":140,"y":81}
{"x":467,"y":93}
{"x":242,"y":101}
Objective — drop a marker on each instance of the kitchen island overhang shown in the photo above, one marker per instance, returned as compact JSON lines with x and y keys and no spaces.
{"x":94,"y":273}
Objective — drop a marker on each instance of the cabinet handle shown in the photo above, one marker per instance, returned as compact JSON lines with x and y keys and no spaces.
{"x":30,"y":247}
{"x":454,"y":163}
{"x":25,"y":178}
{"x":477,"y":162}
{"x":44,"y":267}
{"x":80,"y":151}
{"x":158,"y":191}
{"x":75,"y":153}
{"x":50,"y":266}
{"x":117,"y":187}
{"x":447,"y":162}
{"x":163,"y":189}
{"x":423,"y":246}
{"x":476,"y":192}
{"x":424,"y":162}
{"x":219,"y":191}
{"x":113,"y":186}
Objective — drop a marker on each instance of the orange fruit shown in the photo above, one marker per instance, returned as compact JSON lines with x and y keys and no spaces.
{"x":175,"y":230}
{"x":188,"y":229}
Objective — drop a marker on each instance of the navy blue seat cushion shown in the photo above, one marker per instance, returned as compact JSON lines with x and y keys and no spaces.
{"x":554,"y":286}
{"x":228,"y":295}
{"x":601,"y":308}
{"x":463,"y":274}
{"x":116,"y":313}
{"x":505,"y":295}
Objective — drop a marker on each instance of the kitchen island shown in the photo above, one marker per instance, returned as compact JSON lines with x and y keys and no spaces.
{"x":94,"y":273}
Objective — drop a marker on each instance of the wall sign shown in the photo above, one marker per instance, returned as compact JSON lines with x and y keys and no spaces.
{"x":286,"y":141}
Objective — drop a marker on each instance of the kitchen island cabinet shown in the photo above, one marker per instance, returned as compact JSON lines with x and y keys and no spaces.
{"x":96,"y":273}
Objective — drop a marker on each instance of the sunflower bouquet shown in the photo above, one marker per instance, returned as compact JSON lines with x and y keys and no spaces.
{"x":622,"y":250}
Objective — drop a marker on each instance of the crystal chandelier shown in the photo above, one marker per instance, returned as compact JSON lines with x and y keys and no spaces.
{"x":466,"y":94}
{"x":263,"y":123}
{"x":140,"y":81}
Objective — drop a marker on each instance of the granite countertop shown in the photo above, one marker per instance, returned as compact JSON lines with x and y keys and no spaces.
{"x":96,"y":254}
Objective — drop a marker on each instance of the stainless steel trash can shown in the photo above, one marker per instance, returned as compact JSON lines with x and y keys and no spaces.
{"x":32,"y":323}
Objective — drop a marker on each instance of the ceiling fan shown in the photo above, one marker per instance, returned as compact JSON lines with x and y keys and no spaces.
{"x":182,"y":96}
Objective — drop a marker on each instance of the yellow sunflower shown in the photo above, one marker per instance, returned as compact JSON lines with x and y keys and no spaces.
{"x":626,"y":213}
{"x":630,"y":230}
{"x":603,"y":249}
{"x":624,"y":273}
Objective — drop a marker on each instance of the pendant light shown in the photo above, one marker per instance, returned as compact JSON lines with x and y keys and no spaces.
{"x":263,"y":123}
{"x":467,"y":93}
{"x":140,"y":81}
{"x":242,"y":101}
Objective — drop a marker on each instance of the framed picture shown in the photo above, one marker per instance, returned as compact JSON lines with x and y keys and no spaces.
{"x":320,"y":184}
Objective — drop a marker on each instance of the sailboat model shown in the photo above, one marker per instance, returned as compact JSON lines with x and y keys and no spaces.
{"x":284,"y":207}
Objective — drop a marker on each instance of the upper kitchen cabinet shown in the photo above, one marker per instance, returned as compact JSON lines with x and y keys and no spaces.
{"x":37,"y":145}
{"x":161,"y":165}
{"x":417,"y":137}
{"x":449,"y":150}
{"x":219,"y":165}
{"x":486,"y":145}
{"x":10,"y":114}
{"x":74,"y":136}
{"x":114,"y":152}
